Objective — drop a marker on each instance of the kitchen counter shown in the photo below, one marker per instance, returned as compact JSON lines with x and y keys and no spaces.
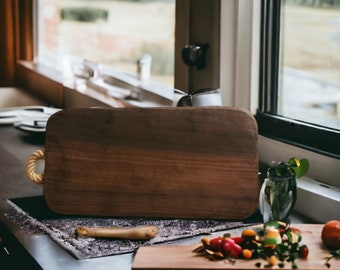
{"x":15,"y":147}
{"x":34,"y":248}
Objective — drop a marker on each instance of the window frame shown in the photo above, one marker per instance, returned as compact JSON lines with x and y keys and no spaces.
{"x":312,"y":137}
{"x":239,"y":53}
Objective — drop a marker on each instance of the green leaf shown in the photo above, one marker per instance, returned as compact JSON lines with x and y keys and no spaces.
{"x":336,"y":253}
{"x":280,"y":169}
{"x":302,"y":169}
{"x":293,"y":162}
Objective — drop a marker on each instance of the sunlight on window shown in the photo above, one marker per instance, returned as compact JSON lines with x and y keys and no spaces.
{"x":112,"y":32}
{"x":309,"y":76}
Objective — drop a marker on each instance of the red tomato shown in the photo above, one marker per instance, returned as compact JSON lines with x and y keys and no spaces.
{"x":237,"y":240}
{"x":226,"y":248}
{"x":236,"y":251}
{"x":215,"y":244}
{"x":330,"y":234}
{"x":228,"y":240}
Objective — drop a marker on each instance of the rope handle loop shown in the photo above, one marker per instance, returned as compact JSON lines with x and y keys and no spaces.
{"x":30,"y":167}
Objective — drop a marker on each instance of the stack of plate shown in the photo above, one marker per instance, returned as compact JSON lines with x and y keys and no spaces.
{"x":27,"y":118}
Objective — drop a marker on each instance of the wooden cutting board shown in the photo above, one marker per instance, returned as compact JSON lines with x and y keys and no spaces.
{"x":182,"y":257}
{"x":152,"y":162}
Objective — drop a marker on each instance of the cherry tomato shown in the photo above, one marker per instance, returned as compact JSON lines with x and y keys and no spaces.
{"x":236,"y":251}
{"x":237,"y":240}
{"x":215,"y":244}
{"x":226,"y":248}
{"x":303,"y":252}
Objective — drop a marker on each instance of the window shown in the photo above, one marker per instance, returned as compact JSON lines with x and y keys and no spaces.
{"x":309,"y":62}
{"x":169,"y":25}
{"x":111,"y":32}
{"x":300,"y":78}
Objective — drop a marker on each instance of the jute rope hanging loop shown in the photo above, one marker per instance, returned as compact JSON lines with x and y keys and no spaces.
{"x":31,"y":163}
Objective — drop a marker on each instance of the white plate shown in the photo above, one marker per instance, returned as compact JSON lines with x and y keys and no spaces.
{"x":15,"y":114}
{"x":32,"y":125}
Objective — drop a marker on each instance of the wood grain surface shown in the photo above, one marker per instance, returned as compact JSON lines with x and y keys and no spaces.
{"x":182,"y":257}
{"x":152,"y":162}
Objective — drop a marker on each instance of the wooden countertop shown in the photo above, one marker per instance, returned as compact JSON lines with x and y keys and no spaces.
{"x":183,"y":257}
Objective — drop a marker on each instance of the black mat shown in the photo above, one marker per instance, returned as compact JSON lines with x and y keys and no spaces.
{"x":34,"y":215}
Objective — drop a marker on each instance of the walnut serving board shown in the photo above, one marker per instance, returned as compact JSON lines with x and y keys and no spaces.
{"x":152,"y":162}
{"x":182,"y":257}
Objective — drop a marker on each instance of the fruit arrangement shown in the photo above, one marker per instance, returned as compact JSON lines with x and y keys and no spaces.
{"x":275,"y":242}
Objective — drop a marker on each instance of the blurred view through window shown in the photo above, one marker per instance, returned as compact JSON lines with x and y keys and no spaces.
{"x":309,"y":78}
{"x":112,"y":32}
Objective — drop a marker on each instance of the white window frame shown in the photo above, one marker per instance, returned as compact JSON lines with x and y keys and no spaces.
{"x":240,"y":43}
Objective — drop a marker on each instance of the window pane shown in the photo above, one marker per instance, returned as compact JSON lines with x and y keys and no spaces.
{"x":309,"y":78}
{"x":112,"y":32}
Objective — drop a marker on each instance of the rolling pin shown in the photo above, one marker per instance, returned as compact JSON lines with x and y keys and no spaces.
{"x":133,"y":233}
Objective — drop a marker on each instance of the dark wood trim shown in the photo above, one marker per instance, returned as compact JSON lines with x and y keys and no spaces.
{"x":24,"y":22}
{"x":7,"y":42}
{"x":198,"y":21}
{"x":16,"y":37}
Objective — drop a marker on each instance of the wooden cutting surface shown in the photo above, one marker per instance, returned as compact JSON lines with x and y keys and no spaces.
{"x":182,"y":257}
{"x":155,"y":162}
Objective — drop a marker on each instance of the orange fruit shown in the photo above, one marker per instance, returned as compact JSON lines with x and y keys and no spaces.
{"x":330,"y":234}
{"x":248,"y":233}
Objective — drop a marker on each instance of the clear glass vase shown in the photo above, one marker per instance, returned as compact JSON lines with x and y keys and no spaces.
{"x":277,"y":197}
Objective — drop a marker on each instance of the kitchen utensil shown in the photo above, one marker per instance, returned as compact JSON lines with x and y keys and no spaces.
{"x":135,"y":233}
{"x":151,"y":162}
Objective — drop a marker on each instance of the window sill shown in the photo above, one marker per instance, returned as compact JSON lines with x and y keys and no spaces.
{"x":315,"y":200}
{"x":50,"y":86}
{"x":41,"y":82}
